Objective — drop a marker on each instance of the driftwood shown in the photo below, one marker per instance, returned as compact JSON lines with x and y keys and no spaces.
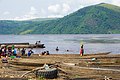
{"x":62,"y":70}
{"x":69,"y":64}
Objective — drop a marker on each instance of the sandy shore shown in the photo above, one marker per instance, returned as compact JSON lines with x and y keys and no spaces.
{"x":73,"y":66}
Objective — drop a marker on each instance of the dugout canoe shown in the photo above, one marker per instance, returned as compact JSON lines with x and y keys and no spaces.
{"x":23,"y":45}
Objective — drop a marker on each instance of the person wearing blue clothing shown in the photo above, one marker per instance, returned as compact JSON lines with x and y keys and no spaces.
{"x":14,"y":52}
{"x":30,"y":52}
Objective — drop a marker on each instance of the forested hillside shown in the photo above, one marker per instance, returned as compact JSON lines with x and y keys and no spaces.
{"x":97,"y":19}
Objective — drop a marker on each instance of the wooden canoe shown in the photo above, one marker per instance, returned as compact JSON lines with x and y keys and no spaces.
{"x":23,"y":45}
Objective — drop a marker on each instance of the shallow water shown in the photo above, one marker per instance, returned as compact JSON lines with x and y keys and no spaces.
{"x":93,"y":43}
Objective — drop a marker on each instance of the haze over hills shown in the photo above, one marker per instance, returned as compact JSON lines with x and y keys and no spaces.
{"x":96,"y":19}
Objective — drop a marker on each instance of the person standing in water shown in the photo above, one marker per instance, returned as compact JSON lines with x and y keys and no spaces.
{"x":57,"y":49}
{"x":82,"y":50}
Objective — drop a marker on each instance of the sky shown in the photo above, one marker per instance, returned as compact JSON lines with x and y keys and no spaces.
{"x":30,"y":9}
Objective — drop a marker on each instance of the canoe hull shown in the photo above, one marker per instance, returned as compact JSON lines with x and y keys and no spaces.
{"x":27,"y":46}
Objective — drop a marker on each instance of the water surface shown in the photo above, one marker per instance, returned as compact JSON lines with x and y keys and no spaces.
{"x":93,"y":43}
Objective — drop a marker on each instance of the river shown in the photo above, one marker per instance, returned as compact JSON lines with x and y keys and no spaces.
{"x":93,"y":43}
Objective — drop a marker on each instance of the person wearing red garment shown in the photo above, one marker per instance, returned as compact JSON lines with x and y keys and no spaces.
{"x":82,"y":50}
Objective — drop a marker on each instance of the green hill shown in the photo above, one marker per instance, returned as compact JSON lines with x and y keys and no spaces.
{"x":96,"y":19}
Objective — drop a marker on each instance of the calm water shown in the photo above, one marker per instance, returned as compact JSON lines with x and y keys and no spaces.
{"x":93,"y":43}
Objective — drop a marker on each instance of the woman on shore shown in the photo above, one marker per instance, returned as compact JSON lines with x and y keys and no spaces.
{"x":81,"y":50}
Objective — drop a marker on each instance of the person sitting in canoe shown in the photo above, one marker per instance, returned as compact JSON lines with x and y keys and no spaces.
{"x":37,"y":43}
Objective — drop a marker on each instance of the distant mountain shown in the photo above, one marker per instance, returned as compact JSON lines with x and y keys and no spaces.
{"x":96,"y":19}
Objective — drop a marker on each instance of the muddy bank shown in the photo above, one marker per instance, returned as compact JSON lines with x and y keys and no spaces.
{"x":71,"y":66}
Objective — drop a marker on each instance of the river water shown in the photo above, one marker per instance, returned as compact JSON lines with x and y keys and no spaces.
{"x":93,"y":43}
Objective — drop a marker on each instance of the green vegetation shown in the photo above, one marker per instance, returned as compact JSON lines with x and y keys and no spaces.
{"x":26,"y":32}
{"x":110,"y":6}
{"x":97,"y":19}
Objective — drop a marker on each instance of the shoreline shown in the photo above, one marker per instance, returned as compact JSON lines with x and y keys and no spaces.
{"x":76,"y":66}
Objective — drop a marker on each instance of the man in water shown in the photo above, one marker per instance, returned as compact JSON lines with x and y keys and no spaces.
{"x":57,"y":49}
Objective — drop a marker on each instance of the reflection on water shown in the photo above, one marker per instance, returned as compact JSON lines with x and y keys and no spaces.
{"x":93,"y":43}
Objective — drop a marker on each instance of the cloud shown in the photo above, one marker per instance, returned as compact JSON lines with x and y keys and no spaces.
{"x":77,"y":4}
{"x":58,"y":10}
{"x":54,"y":8}
{"x":25,"y":17}
{"x":66,"y":8}
{"x":43,"y":11}
{"x":87,"y":2}
{"x":30,"y":15}
{"x":47,"y":8}
{"x":116,"y":2}
{"x":33,"y":11}
{"x":55,"y":16}
{"x":6,"y":13}
{"x":84,"y":2}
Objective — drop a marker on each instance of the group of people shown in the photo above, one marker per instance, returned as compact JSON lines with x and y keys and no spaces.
{"x":12,"y":51}
{"x":45,"y":53}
